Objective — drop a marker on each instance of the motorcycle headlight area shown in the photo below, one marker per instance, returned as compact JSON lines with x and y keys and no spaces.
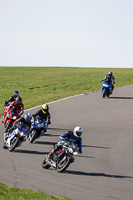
{"x":21,"y":133}
{"x":70,"y":150}
{"x":105,"y":85}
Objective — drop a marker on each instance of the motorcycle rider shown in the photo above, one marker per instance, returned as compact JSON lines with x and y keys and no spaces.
{"x":23,"y":120}
{"x":74,"y":135}
{"x":16,"y":105}
{"x":43,"y":113}
{"x":111,"y":79}
{"x":12,"y":98}
{"x":26,"y":120}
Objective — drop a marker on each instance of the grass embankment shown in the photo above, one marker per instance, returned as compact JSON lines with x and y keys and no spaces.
{"x":8,"y":193}
{"x":38,"y":85}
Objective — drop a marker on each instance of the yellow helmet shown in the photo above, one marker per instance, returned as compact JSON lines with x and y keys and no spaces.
{"x":45,"y":108}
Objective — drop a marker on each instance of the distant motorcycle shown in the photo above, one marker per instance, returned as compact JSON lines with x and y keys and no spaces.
{"x":62,"y":158}
{"x":16,"y":137}
{"x":38,"y":127}
{"x":106,"y":88}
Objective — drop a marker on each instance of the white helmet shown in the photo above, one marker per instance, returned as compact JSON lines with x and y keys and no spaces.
{"x":110,"y":73}
{"x":77,"y":131}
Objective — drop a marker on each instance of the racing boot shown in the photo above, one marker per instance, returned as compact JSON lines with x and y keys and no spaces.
{"x":50,"y":155}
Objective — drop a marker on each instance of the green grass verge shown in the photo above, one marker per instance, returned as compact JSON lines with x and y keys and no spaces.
{"x":38,"y":85}
{"x":8,"y":193}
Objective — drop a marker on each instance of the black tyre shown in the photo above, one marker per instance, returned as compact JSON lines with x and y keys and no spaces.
{"x":108,"y":94}
{"x":7,"y":126}
{"x":63,"y":164}
{"x":4,"y":146}
{"x":33,"y":136}
{"x":14,"y":143}
{"x":104,"y":93}
{"x":45,"y":165}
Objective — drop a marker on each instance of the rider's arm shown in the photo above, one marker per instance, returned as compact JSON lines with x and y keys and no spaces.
{"x":11,"y":105}
{"x":21,"y":109}
{"x":65,"y":135}
{"x":80,"y":145}
{"x":113,"y":80}
{"x":11,"y":99}
{"x":48,"y":116}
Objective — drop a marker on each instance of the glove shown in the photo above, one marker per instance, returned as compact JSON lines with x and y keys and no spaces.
{"x":5,"y":103}
{"x":48,"y":122}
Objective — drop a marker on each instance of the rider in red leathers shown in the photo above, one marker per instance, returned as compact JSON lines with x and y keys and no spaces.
{"x":16,"y":108}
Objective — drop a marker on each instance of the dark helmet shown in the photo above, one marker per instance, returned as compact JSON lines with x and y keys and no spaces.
{"x":18,"y":100}
{"x":16,"y":93}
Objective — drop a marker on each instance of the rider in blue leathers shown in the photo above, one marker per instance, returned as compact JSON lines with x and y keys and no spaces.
{"x":68,"y":136}
{"x":110,"y":79}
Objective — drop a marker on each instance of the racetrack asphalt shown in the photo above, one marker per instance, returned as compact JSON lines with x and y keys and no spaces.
{"x":104,"y":171}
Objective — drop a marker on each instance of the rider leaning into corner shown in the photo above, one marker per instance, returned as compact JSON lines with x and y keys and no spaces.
{"x":43,"y":113}
{"x":111,"y":78}
{"x":74,"y":135}
{"x":16,"y":105}
{"x":26,"y":120}
{"x":12,"y":98}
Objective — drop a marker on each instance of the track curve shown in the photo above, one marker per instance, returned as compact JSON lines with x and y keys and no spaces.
{"x":103,"y":171}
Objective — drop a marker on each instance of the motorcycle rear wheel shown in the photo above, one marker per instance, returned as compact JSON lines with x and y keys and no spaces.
{"x":62,"y":164}
{"x":14,"y":143}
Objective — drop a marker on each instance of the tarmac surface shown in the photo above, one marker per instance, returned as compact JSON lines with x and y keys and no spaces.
{"x":104,"y":171}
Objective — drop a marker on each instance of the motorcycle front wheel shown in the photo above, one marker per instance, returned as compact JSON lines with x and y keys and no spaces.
{"x":33,"y":136}
{"x":14,"y":143}
{"x":45,"y":165}
{"x":63,"y":163}
{"x":104,"y":93}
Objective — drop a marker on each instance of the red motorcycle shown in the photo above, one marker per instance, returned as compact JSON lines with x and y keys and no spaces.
{"x":9,"y":117}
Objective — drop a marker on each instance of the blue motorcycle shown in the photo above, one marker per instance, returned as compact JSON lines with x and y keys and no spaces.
{"x":38,"y":127}
{"x":106,"y":88}
{"x":16,"y":137}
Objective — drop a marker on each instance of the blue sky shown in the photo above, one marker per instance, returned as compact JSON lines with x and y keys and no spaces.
{"x":81,"y":33}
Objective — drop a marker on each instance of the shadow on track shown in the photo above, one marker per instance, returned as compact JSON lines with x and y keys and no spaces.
{"x":85,"y":156}
{"x":47,"y":143}
{"x":96,"y":147}
{"x":29,"y":152}
{"x":120,"y":98}
{"x":60,"y":129}
{"x":51,"y":135}
{"x":95,"y":174}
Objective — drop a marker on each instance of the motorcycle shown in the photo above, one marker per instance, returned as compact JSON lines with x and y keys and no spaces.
{"x":63,"y":158}
{"x":9,"y":117}
{"x":16,"y":137}
{"x":106,"y":88}
{"x":38,"y":127}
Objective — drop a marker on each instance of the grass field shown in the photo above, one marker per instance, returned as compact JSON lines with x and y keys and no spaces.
{"x":38,"y":85}
{"x":8,"y":193}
